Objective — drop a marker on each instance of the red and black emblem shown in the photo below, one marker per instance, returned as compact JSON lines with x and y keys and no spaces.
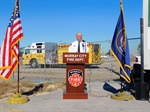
{"x":75,"y":77}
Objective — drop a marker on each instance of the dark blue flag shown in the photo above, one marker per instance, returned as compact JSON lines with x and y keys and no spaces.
{"x":120,"y":48}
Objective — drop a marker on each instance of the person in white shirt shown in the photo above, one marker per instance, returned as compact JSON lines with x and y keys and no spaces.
{"x":79,"y":45}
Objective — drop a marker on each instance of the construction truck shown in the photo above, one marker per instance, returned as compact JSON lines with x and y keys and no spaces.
{"x":50,"y":53}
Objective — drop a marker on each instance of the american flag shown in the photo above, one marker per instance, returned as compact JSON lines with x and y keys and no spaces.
{"x":10,"y":49}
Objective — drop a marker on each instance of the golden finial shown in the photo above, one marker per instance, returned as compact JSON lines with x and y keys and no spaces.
{"x":120,"y":3}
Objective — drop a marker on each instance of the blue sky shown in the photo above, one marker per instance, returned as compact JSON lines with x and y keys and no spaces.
{"x":60,"y":20}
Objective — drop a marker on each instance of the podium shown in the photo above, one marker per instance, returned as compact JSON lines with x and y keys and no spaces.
{"x":75,"y":75}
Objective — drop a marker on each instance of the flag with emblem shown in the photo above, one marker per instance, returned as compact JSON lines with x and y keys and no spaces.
{"x":10,"y":49}
{"x":120,"y":48}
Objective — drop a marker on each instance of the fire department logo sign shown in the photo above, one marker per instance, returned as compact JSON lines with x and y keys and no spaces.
{"x":75,"y":77}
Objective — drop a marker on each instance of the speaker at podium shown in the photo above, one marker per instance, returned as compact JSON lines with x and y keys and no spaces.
{"x":75,"y":75}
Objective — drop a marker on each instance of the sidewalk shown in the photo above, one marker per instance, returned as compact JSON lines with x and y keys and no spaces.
{"x":98,"y":101}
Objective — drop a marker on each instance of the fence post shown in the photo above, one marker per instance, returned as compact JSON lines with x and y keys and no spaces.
{"x":111,"y":67}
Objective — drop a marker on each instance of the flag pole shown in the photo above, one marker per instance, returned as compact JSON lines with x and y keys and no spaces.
{"x":18,"y":2}
{"x":121,"y":8}
{"x":121,"y":90}
{"x":120,"y":3}
{"x":18,"y":65}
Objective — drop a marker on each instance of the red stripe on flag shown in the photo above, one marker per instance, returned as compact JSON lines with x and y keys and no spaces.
{"x":6,"y":73}
{"x":6,"y":50}
{"x":17,"y":38}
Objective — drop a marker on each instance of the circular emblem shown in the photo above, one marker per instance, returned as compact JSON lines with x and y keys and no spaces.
{"x":75,"y":77}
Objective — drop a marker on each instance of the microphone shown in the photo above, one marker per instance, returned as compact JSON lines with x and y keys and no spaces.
{"x":83,"y":40}
{"x":84,"y":45}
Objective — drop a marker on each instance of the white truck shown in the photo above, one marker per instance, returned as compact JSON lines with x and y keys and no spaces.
{"x":145,"y":46}
{"x":146,"y":34}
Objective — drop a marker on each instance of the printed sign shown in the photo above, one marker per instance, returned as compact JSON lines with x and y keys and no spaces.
{"x":75,"y":77}
{"x":75,"y":57}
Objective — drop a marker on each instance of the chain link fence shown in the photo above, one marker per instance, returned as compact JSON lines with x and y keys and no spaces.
{"x":134,"y":47}
{"x":107,"y":70}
